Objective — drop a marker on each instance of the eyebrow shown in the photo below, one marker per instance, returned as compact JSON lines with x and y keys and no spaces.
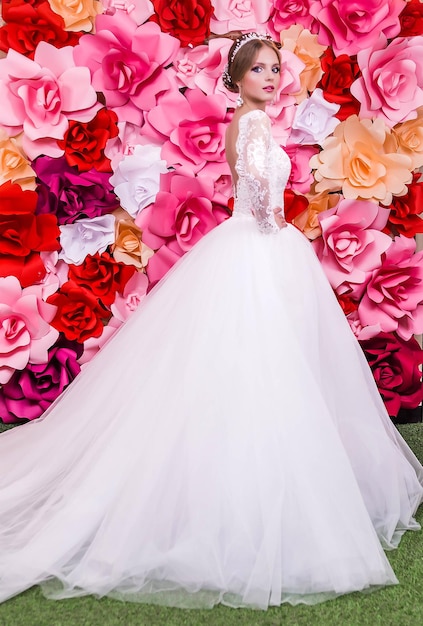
{"x":273,"y":64}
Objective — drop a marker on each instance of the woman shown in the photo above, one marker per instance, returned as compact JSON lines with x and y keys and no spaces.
{"x":229,"y":444}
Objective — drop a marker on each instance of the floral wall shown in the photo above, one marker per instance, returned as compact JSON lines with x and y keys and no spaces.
{"x":112,"y":167}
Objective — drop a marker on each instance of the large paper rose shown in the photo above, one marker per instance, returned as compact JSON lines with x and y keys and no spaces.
{"x":196,"y":126}
{"x":79,"y":315}
{"x":101,"y":275}
{"x":244,"y":15}
{"x":86,"y":236}
{"x":40,"y":96}
{"x":188,"y":20}
{"x":394,"y":294}
{"x":24,"y":235}
{"x":31,"y":391}
{"x":339,"y":74}
{"x":178,"y":219}
{"x":391,"y":81}
{"x":409,"y":139}
{"x":14,"y":166}
{"x":352,"y":245}
{"x":405,"y":215}
{"x":395,"y":366}
{"x":70,"y":194}
{"x":25,"y":331}
{"x":77,"y":15}
{"x":127,"y":63}
{"x":136,"y":180}
{"x":27,"y":24}
{"x":352,"y":26}
{"x":84,"y":143}
{"x":411,"y":19}
{"x":360,"y":161}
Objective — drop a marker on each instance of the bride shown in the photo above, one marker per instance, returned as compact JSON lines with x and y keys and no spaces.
{"x":229,"y":443}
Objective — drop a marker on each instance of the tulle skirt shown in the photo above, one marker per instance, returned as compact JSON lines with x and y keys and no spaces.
{"x":227,"y":445}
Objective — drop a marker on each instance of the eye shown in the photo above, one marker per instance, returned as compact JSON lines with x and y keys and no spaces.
{"x":276,"y":69}
{"x":256,"y":68}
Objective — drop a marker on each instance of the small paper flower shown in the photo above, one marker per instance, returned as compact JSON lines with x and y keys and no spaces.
{"x":86,"y":236}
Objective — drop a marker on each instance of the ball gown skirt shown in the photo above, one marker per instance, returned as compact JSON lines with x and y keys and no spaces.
{"x":227,"y":445}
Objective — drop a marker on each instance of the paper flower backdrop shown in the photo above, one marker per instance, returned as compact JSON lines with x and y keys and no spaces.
{"x":112,"y":167}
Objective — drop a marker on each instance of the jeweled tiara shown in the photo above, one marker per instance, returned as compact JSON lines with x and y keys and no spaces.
{"x":245,"y":39}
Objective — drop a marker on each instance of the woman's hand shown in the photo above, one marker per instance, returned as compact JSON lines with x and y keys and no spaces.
{"x":279,"y":218}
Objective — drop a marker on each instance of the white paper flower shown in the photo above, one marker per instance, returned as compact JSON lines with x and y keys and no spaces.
{"x":86,"y":236}
{"x":314,"y":119}
{"x":136,"y":180}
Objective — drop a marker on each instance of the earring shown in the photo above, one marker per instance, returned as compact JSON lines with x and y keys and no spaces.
{"x":239,"y":100}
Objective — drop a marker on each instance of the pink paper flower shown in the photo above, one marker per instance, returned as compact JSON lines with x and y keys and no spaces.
{"x":133,"y":294}
{"x":394,"y":294}
{"x":40,"y":96}
{"x":352,"y":245}
{"x":138,"y":10}
{"x":391,"y":81}
{"x":285,"y":13}
{"x":25,"y":332}
{"x":86,"y":236}
{"x":352,"y":26}
{"x":242,"y":15}
{"x":301,"y":178}
{"x":195,"y":126}
{"x":127,"y":64}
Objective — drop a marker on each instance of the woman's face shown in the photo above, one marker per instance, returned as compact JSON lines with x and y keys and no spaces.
{"x":259,"y":84}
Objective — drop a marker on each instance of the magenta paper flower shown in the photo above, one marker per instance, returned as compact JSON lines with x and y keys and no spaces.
{"x":179,"y":218}
{"x":25,"y":332}
{"x":391,"y":81}
{"x":127,"y":63}
{"x":350,"y":26}
{"x":242,"y":15}
{"x":70,"y":194}
{"x":30,"y":392}
{"x":285,"y":13}
{"x":40,"y":96}
{"x":394,"y":294}
{"x":195,"y":126}
{"x":352,"y":245}
{"x":395,"y":366}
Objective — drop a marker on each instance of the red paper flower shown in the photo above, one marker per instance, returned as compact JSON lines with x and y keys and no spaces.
{"x":84,"y":142}
{"x":24,"y":235}
{"x":395,"y":365}
{"x":338,"y":75}
{"x":28,"y":23}
{"x":188,"y":20}
{"x":102,"y":276}
{"x":404,"y":216}
{"x":411,"y":19}
{"x":79,"y":314}
{"x":294,"y":204}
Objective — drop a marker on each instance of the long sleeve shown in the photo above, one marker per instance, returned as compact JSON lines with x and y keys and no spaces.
{"x":253,"y":166}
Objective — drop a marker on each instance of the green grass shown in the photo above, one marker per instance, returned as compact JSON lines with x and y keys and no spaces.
{"x":401,"y":605}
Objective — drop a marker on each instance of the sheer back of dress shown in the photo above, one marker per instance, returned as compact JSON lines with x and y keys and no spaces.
{"x":263,"y":170}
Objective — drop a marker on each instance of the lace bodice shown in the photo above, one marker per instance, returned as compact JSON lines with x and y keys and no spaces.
{"x":263,"y":169}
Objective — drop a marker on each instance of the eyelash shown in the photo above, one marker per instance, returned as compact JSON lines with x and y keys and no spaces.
{"x":256,"y":69}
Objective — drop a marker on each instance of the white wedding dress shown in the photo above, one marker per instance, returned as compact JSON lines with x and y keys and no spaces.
{"x":227,"y":445}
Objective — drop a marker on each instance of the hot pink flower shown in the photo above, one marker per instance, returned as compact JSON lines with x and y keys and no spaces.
{"x":179,"y":218}
{"x":25,"y":332}
{"x":391,"y":83}
{"x":352,"y":26}
{"x":40,"y":96}
{"x":285,"y":13}
{"x":351,"y":245}
{"x":196,"y":126}
{"x":127,"y":63}
{"x":301,"y":178}
{"x":394,"y":294}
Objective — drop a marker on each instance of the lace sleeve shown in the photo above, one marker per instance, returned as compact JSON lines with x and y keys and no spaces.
{"x":254,"y":166}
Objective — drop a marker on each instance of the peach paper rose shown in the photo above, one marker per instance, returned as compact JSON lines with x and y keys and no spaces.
{"x":77,"y":14}
{"x":14,"y":165}
{"x":358,"y":160}
{"x":305,"y":46}
{"x":128,"y":247}
{"x":409,"y":137}
{"x":391,"y":81}
{"x":308,"y":220}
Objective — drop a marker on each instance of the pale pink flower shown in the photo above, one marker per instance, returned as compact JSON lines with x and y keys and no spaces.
{"x":56,"y":273}
{"x":138,"y":10}
{"x":127,"y":63}
{"x":314,"y":119}
{"x":391,"y":81}
{"x":93,"y":345}
{"x":351,"y":245}
{"x":129,"y":137}
{"x":244,"y":15}
{"x":362,"y":332}
{"x":133,"y":294}
{"x":350,"y":26}
{"x":301,"y":177}
{"x":25,"y":332}
{"x":394,"y":294}
{"x":40,"y":96}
